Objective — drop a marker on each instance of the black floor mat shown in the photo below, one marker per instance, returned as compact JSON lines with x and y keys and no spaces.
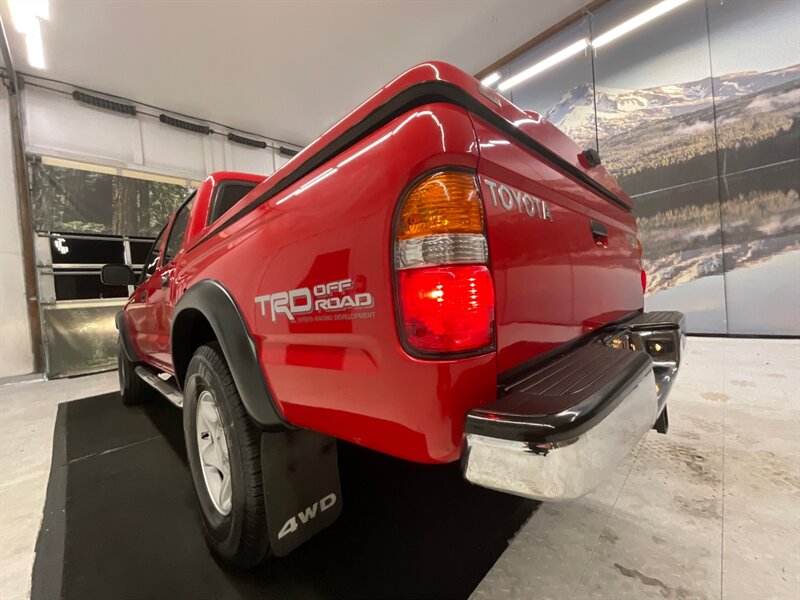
{"x":128,"y":525}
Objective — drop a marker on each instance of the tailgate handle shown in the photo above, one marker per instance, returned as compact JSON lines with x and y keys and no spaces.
{"x":599,"y":233}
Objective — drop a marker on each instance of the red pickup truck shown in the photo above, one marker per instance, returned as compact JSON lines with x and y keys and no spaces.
{"x":441,"y":277}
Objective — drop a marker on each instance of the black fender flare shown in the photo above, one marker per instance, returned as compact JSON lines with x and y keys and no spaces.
{"x":210,"y":299}
{"x":125,"y":337}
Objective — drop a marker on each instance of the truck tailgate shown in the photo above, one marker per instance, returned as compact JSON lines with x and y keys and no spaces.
{"x":565,"y":258}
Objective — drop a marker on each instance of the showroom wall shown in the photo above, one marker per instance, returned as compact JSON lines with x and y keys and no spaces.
{"x":102,"y":184}
{"x":16,"y":357}
{"x":697,"y":112}
{"x":57,"y":125}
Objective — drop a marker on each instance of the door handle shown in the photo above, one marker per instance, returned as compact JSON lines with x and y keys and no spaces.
{"x":599,"y":233}
{"x":143,"y":296}
{"x":164,"y":280}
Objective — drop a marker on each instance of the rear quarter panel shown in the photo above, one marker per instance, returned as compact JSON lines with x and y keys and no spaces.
{"x":349,"y":377}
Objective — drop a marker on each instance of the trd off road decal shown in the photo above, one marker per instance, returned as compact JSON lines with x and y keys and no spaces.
{"x":333,"y":301}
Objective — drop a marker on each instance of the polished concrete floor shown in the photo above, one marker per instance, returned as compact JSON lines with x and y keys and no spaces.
{"x":27,"y":418}
{"x":711,"y":510}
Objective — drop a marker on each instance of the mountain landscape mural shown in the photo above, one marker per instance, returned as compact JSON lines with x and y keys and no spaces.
{"x":714,"y":165}
{"x":621,"y":110}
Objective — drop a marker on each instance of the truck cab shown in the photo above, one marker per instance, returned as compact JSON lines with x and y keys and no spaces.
{"x":151,"y":305}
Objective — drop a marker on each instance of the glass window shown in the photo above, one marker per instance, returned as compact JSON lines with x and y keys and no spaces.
{"x":228,"y":194}
{"x":178,"y":230}
{"x":85,"y":286}
{"x":86,"y":250}
{"x":140,"y":250}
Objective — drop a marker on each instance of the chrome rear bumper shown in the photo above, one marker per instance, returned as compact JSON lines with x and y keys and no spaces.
{"x":563,"y":427}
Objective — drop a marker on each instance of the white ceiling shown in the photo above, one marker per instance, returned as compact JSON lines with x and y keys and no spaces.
{"x":282,"y":69}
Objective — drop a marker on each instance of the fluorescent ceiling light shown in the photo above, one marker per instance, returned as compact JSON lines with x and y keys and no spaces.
{"x":542,"y":65}
{"x":33,"y":44}
{"x":637,"y":21}
{"x":491,"y":79}
{"x":26,"y":14}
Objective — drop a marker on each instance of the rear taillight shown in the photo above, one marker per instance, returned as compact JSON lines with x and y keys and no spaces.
{"x":447,"y":309}
{"x":445,"y":293}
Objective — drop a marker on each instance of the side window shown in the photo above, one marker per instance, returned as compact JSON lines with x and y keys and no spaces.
{"x":175,"y":239}
{"x":152,"y":257}
{"x":228,"y":194}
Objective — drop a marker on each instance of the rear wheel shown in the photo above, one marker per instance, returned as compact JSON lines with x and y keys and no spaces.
{"x":131,"y":387}
{"x":224,"y":450}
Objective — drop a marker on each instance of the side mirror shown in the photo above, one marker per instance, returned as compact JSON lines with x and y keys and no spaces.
{"x":117,"y":275}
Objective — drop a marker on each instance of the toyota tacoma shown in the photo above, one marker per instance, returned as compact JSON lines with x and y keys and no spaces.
{"x":440,"y":277}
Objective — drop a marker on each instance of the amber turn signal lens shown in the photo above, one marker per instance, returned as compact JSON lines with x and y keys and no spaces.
{"x":446,"y":202}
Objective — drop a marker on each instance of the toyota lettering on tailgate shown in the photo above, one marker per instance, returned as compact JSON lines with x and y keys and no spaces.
{"x":513,"y":199}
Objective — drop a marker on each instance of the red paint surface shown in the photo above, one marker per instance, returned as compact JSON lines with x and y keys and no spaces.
{"x":351,"y":378}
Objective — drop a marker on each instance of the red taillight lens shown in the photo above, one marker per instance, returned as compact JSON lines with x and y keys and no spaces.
{"x":445,"y":294}
{"x":447,"y":309}
{"x":644,"y":281}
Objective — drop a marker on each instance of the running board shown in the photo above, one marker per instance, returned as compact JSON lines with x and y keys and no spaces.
{"x":167,"y":389}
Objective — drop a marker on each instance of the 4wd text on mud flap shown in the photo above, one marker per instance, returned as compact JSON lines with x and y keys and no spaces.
{"x":306,"y":515}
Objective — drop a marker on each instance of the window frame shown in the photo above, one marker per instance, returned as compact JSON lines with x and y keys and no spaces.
{"x":144,"y":276}
{"x":160,"y":261}
{"x":171,"y":225}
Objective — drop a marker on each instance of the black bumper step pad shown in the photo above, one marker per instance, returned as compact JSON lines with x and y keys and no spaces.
{"x":562,"y":397}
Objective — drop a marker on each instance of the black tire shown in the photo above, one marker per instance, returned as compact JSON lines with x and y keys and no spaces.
{"x":239,"y":539}
{"x":131,"y":387}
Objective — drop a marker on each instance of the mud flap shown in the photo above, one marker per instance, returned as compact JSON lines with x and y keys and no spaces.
{"x":662,"y":422}
{"x":300,"y":470}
